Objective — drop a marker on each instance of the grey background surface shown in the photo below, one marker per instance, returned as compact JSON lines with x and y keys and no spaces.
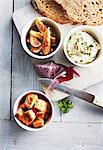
{"x":81,"y":129}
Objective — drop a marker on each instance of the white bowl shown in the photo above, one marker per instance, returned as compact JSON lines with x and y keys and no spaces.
{"x":92,"y":32}
{"x":26,"y":29}
{"x":16,"y":107}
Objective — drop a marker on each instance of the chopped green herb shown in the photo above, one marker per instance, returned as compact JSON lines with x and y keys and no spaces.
{"x":85,"y":43}
{"x":90,"y":45}
{"x":70,"y":55}
{"x":65,"y":105}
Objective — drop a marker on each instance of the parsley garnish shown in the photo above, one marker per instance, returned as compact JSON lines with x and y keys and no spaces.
{"x":90,"y":45}
{"x":65,"y":105}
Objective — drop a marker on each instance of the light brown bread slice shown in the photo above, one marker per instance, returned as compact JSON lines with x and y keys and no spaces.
{"x":88,"y":12}
{"x":51,"y":9}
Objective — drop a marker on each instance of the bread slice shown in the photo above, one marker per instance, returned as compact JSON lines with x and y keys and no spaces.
{"x":51,"y":9}
{"x":88,"y":12}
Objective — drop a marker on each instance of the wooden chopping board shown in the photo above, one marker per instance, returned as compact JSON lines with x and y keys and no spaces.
{"x":88,"y":76}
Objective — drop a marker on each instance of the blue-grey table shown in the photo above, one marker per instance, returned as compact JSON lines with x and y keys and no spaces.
{"x":81,"y":129}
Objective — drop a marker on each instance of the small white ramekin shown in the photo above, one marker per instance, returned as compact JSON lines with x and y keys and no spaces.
{"x":23,"y":125}
{"x":26,"y":29}
{"x":92,"y":32}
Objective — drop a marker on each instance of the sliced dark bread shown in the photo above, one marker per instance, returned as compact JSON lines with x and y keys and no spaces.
{"x":51,"y":9}
{"x":88,"y":12}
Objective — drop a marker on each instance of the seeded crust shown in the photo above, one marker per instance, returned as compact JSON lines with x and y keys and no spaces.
{"x":51,"y":9}
{"x":88,"y":12}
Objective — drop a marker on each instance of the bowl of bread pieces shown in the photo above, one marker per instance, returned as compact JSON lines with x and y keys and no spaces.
{"x":33,"y":111}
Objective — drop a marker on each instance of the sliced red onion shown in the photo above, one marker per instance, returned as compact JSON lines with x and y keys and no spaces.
{"x":58,"y":72}
{"x":49,"y":70}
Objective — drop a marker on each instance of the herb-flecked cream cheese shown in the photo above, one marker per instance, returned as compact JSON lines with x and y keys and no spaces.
{"x":82,"y":48}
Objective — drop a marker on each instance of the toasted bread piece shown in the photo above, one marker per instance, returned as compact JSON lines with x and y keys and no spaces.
{"x":51,"y":9}
{"x":19,"y":114}
{"x":23,"y":106}
{"x":30,"y":100}
{"x":40,"y":114}
{"x":28,"y":117}
{"x":41,"y":105}
{"x":88,"y":12}
{"x":38,"y":123}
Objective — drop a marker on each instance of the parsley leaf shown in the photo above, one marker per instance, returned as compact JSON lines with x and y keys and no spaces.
{"x":65,"y":105}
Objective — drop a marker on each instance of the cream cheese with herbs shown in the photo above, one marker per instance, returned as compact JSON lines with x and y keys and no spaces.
{"x":82,"y":48}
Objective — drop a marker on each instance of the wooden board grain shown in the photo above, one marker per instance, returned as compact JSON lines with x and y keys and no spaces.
{"x":5,"y":57}
{"x":81,"y":129}
{"x":58,"y":136}
{"x":88,"y":76}
{"x":83,"y":111}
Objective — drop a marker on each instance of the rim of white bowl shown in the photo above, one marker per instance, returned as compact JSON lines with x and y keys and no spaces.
{"x":80,"y":28}
{"x":26,"y":29}
{"x":15,"y":107}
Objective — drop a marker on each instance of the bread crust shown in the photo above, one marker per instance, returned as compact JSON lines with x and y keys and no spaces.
{"x":89,"y":12}
{"x":46,"y":8}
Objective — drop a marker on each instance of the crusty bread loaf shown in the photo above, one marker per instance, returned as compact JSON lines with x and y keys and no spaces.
{"x":51,"y":9}
{"x":88,"y":12}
